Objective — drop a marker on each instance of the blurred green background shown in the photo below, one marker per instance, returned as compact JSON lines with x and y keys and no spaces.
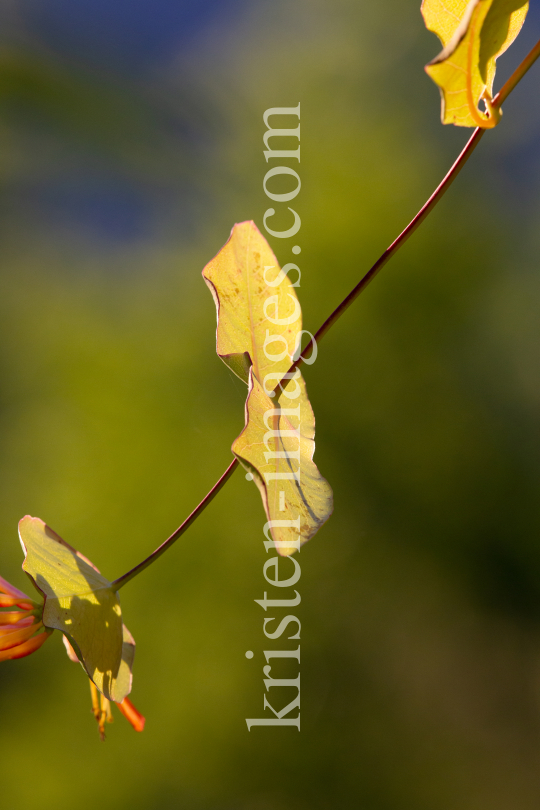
{"x":130,"y":142}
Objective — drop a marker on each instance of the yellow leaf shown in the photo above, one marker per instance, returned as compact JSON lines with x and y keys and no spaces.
{"x":276,"y":447}
{"x":80,"y":603}
{"x":473,"y":35}
{"x":251,"y":294}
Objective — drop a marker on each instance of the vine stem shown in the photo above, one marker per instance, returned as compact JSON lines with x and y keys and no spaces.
{"x":180,"y":530}
{"x":428,"y":206}
{"x":517,"y":75}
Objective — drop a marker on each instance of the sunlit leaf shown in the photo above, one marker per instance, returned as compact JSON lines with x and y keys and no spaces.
{"x":473,"y":35}
{"x":250,"y":296}
{"x":81,"y":603}
{"x":276,"y":447}
{"x":259,"y":321}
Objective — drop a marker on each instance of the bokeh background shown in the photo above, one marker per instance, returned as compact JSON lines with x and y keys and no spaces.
{"x":130,"y":142}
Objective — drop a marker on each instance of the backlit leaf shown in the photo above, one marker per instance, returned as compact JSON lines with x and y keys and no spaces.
{"x":250,"y":295}
{"x":276,"y":447}
{"x":473,"y":35}
{"x":80,"y":603}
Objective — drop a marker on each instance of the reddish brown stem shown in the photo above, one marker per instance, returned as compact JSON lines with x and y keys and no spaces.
{"x":445,"y":184}
{"x":517,"y":75}
{"x":395,"y":246}
{"x":118,"y":583}
{"x":471,"y":145}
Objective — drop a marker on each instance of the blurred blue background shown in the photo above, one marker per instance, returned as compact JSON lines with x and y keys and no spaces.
{"x":130,"y":143}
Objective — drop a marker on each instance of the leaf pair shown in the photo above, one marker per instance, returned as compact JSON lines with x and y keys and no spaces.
{"x":259,"y":330}
{"x":474,"y":33}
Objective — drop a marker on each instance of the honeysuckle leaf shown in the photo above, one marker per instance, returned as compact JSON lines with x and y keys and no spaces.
{"x":82,"y":604}
{"x":473,"y":35}
{"x":259,"y":323}
{"x":276,"y":447}
{"x":251,"y":294}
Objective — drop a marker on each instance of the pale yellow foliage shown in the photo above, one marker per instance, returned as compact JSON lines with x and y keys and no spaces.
{"x":474,"y":34}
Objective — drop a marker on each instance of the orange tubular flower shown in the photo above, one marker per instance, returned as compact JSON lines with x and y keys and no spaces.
{"x":19,"y":629}
{"x":130,"y":713}
{"x":101,"y":707}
